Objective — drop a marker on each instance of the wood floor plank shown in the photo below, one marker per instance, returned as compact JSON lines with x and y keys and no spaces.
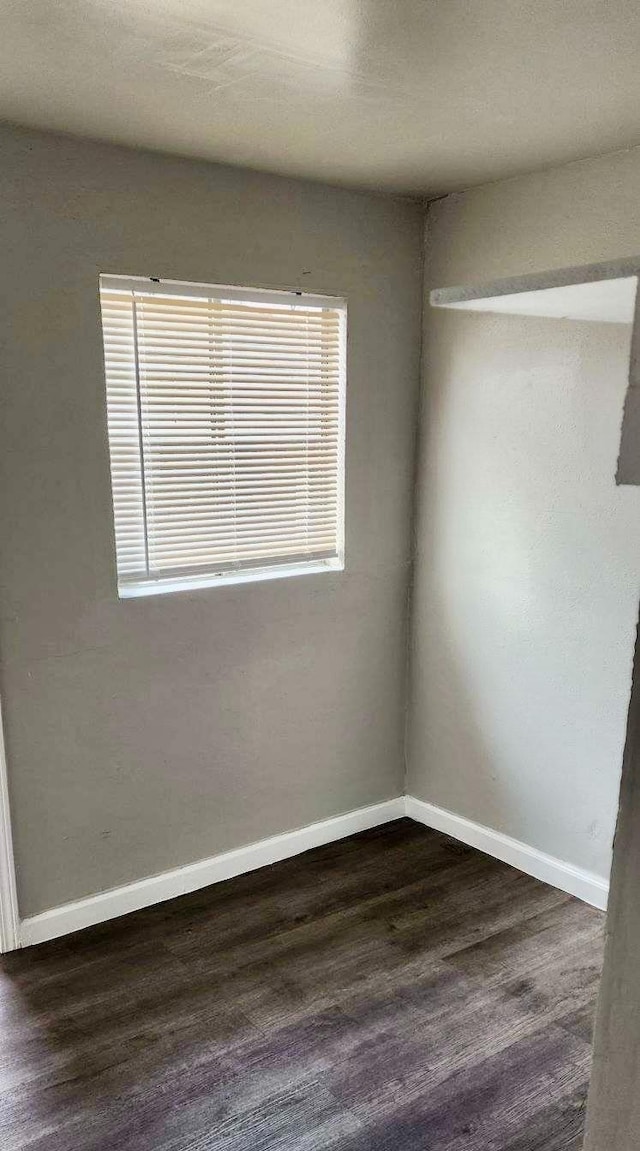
{"x":550,"y":964}
{"x":395,"y":990}
{"x":490,"y":1106}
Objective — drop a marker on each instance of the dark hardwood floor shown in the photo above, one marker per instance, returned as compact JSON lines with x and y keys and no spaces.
{"x":392,"y":992}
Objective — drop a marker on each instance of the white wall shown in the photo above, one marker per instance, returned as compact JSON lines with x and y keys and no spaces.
{"x":528,"y":566}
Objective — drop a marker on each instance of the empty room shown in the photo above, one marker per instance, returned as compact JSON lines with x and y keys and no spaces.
{"x":319,"y":575}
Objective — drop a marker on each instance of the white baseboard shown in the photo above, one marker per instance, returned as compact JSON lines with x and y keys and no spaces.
{"x":586,"y":885}
{"x":156,"y":888}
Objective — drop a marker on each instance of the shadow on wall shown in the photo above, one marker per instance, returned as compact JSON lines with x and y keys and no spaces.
{"x":447,"y":727}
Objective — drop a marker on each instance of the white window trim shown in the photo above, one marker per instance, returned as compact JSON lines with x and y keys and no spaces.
{"x":200,"y":291}
{"x":247,"y":575}
{"x":166,"y":584}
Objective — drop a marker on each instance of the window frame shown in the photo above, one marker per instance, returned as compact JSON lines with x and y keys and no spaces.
{"x":192,"y":579}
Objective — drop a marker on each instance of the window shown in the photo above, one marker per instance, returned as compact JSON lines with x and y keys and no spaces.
{"x":226,"y":432}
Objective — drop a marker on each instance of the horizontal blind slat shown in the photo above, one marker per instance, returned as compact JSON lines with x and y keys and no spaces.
{"x":225,"y":429}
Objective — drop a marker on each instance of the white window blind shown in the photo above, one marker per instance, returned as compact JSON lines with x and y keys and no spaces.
{"x":226,"y":432}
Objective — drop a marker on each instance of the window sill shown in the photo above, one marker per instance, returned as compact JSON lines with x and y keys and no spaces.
{"x":225,"y":579}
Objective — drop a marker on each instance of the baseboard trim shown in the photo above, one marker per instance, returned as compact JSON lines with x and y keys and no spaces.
{"x":585,"y":885}
{"x":181,"y":880}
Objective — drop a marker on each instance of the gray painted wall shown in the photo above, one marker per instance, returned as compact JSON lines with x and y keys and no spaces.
{"x":613,"y":1121}
{"x":148,"y":733}
{"x":528,"y":569}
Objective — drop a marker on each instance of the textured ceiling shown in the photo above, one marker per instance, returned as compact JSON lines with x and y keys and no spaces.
{"x":419,"y":96}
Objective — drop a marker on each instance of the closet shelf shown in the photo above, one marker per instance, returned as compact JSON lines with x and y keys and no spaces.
{"x":601,"y":293}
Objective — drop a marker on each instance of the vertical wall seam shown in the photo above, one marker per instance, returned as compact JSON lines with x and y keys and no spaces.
{"x":413,"y":503}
